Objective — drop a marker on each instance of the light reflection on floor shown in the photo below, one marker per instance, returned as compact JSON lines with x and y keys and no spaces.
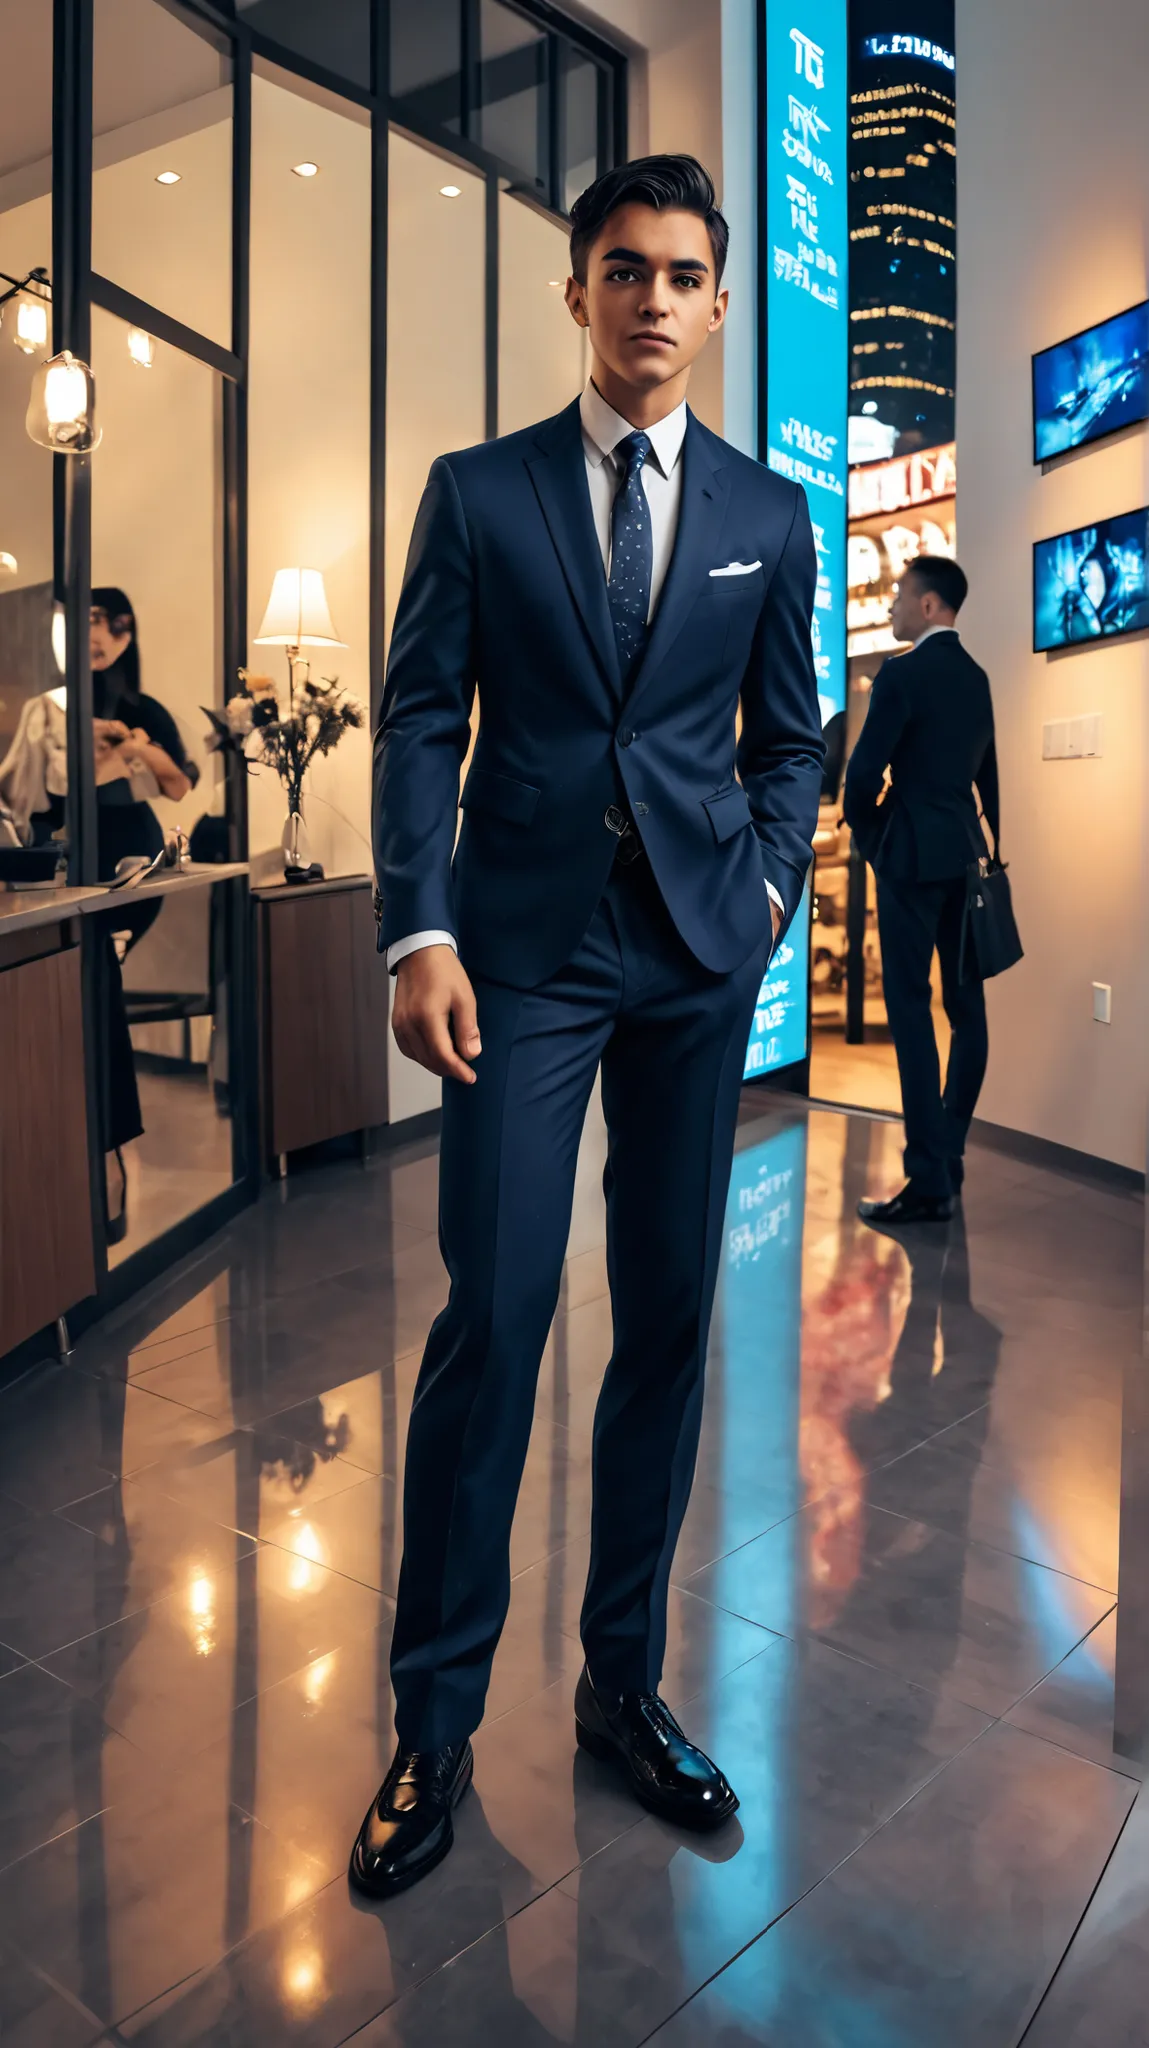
{"x":891,"y":1619}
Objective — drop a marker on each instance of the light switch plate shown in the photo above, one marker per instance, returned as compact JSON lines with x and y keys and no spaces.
{"x":1072,"y":739}
{"x":1102,"y":1003}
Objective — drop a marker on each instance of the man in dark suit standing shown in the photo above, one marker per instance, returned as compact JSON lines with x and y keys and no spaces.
{"x":615,"y":583}
{"x":930,"y":722}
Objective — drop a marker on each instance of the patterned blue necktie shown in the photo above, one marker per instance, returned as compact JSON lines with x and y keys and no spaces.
{"x":631,"y":556}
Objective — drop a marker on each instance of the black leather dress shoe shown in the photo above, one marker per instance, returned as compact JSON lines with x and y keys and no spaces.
{"x":907,"y":1207}
{"x":409,"y":1828}
{"x":641,"y":1736}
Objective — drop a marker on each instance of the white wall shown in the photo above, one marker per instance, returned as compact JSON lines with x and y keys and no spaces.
{"x":1053,"y":197}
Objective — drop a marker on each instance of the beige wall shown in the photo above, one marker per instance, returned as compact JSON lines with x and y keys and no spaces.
{"x":675,"y":48}
{"x":1053,"y":197}
{"x":309,"y":456}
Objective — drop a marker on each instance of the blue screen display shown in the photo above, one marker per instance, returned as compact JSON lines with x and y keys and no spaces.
{"x":778,"y":1036}
{"x":1092,"y":384}
{"x":1093,"y":584}
{"x":807,"y":311}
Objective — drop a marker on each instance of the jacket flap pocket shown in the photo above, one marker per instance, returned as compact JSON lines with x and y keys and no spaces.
{"x":501,"y":795}
{"x":728,"y":811}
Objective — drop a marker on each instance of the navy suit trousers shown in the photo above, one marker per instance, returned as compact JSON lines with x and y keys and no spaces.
{"x":671,"y":1039}
{"x":915,"y":919}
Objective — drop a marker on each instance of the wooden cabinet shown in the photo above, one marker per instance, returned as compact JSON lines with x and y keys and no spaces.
{"x":46,"y":1258}
{"x":323,"y":1001}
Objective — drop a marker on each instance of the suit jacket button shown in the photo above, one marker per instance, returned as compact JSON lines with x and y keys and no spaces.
{"x":625,"y":736}
{"x":642,"y":810}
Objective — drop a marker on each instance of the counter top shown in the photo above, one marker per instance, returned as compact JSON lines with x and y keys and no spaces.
{"x":167,"y":879}
{"x":25,"y":909}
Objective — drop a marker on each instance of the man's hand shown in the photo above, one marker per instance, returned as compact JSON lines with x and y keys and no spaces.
{"x":775,"y":920}
{"x":435,"y":1017}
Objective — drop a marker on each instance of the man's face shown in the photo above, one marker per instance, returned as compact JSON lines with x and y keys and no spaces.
{"x":651,"y":297}
{"x":907,"y":613}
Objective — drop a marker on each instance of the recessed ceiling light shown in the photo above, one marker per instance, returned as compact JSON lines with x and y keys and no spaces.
{"x":451,"y":191}
{"x":167,"y":178}
{"x":306,"y":170}
{"x":555,"y":283}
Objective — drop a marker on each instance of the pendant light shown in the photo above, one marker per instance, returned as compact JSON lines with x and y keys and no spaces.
{"x":62,"y":408}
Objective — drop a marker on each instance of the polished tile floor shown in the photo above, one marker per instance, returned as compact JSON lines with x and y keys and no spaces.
{"x":892,"y":1620}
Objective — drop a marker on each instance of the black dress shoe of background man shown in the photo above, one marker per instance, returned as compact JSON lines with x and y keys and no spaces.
{"x":409,"y":1828}
{"x":642,"y":1738}
{"x":910,"y":1206}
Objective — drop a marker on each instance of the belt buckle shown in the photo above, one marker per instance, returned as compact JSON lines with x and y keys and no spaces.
{"x":629,"y":845}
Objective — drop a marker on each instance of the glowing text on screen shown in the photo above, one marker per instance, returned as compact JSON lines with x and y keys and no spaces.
{"x":908,"y":46}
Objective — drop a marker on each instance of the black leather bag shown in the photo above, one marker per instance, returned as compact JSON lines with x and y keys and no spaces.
{"x":989,"y":939}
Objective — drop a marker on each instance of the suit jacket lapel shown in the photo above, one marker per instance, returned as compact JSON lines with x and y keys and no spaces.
{"x":705,"y":489}
{"x":558,"y":473}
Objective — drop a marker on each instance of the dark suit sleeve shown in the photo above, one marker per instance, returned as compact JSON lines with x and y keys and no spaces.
{"x":425,"y":728}
{"x":987,"y":789}
{"x":885,"y":722}
{"x":780,"y":751}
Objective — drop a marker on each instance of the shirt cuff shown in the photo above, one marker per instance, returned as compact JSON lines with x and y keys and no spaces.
{"x":415,"y":944}
{"x":771,"y":891}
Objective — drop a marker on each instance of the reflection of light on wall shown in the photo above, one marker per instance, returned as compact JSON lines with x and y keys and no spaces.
{"x":306,"y":1552}
{"x":201,"y":1608}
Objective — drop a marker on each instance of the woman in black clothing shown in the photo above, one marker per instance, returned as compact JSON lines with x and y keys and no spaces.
{"x":133,"y":734}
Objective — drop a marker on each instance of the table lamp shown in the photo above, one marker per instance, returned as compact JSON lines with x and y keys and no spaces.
{"x":297,"y":615}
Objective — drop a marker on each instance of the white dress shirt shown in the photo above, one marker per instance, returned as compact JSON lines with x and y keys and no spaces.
{"x":602,"y":430}
{"x":930,"y":631}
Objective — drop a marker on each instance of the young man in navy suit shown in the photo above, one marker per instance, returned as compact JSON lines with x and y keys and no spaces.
{"x":930,"y":724}
{"x":616,"y":583}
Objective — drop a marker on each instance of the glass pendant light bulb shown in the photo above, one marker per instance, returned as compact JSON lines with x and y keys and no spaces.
{"x":62,"y":407}
{"x":31,"y":325}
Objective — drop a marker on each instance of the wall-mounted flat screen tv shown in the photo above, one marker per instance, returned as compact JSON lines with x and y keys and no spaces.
{"x":1092,"y":585}
{"x":1091,"y":384}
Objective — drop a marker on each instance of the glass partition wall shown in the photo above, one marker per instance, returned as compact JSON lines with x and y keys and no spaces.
{"x":301,"y":250}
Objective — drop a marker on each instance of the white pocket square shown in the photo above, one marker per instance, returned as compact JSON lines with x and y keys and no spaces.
{"x":737,"y":569}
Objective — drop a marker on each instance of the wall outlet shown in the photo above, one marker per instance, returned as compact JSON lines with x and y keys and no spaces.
{"x":1102,"y":1003}
{"x":1072,"y":739}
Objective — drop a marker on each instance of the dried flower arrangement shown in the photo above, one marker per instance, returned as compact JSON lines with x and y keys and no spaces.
{"x":253,"y":727}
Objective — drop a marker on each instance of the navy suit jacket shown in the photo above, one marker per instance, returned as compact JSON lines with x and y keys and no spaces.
{"x":930,"y":721}
{"x":505,"y":592}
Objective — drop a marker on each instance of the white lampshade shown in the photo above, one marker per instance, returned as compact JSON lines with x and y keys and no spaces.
{"x":297,"y":612}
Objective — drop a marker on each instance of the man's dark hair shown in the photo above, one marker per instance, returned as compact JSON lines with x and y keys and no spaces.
{"x":658,"y":181}
{"x":943,"y":577}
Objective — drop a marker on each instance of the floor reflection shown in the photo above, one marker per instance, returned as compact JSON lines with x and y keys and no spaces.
{"x":902,"y":1537}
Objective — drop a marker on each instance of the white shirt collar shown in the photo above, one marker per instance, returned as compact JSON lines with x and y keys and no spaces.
{"x":603,"y":428}
{"x":929,"y":634}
